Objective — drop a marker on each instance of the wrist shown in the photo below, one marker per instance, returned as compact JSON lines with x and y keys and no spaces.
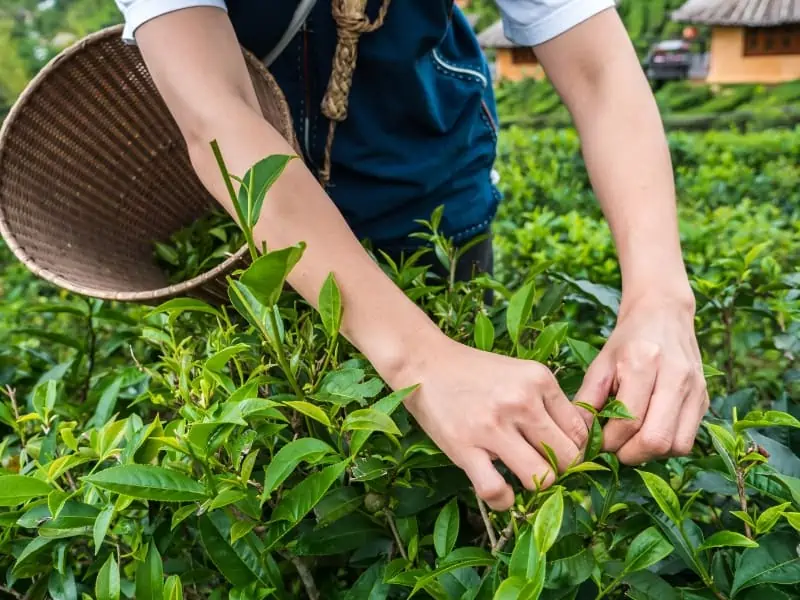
{"x":404,"y":361}
{"x":676,"y":295}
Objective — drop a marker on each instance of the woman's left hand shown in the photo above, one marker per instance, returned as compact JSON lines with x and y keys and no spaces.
{"x":652,"y":364}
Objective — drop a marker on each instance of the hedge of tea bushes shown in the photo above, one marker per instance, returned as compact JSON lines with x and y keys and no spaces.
{"x":739,"y":210}
{"x":199,"y":452}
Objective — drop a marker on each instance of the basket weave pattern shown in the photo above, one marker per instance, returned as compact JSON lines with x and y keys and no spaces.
{"x":93,"y":170}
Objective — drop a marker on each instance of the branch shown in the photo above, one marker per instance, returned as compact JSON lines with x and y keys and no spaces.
{"x":306,"y":577}
{"x":396,"y":535}
{"x":507,"y":532}
{"x":743,"y":499}
{"x":487,"y":523}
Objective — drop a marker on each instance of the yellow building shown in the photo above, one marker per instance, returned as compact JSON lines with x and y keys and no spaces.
{"x":752,"y":41}
{"x":512,"y":62}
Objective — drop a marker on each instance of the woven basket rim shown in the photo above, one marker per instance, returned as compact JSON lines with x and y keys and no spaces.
{"x":159,"y":294}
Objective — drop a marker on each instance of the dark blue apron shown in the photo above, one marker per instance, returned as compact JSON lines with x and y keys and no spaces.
{"x":421,"y":125}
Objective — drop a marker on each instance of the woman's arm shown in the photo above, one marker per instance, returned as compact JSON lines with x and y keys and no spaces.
{"x":651,"y":361}
{"x":209,"y":92}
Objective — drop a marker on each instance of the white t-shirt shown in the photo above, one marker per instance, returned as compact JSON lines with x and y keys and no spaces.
{"x":525,"y":22}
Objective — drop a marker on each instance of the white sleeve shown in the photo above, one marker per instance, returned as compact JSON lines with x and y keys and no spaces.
{"x":531,"y":22}
{"x":138,"y":12}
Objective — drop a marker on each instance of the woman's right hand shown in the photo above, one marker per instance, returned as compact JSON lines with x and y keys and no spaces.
{"x":479,"y":406}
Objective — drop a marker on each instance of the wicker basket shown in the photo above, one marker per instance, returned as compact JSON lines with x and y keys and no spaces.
{"x":93,"y":170}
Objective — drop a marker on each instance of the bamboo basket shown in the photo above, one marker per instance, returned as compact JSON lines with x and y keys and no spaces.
{"x":94,"y":170}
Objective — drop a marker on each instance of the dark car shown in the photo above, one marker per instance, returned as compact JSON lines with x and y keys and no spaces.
{"x":668,"y":60}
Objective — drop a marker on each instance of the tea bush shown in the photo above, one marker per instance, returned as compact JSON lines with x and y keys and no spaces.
{"x":249,"y":451}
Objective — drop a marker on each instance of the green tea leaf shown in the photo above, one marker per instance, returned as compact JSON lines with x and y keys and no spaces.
{"x":150,"y":575}
{"x":459,"y":559}
{"x":548,"y":520}
{"x":548,"y":341}
{"x":238,"y":561}
{"x":616,"y":410}
{"x":330,"y":306}
{"x":288,"y":457}
{"x":663,"y":494}
{"x":246,"y":304}
{"x":62,"y":587}
{"x":445,"y":529}
{"x":519,"y":311}
{"x":180,"y":305}
{"x":370,"y":585}
{"x":100,"y":527}
{"x":483,"y":333}
{"x":524,"y":557}
{"x":298,"y":501}
{"x":148,"y":482}
{"x":344,"y":386}
{"x":18,"y":489}
{"x":723,"y":539}
{"x":770,"y":418}
{"x":725,"y":445}
{"x":517,"y":588}
{"x":584,"y":353}
{"x":310,"y":410}
{"x":570,"y":563}
{"x":369,"y":419}
{"x":793,"y":518}
{"x":266,"y":276}
{"x":217,"y":362}
{"x":774,"y":561}
{"x":645,"y":585}
{"x":647,"y":548}
{"x":258,"y":180}
{"x":107,"y":585}
{"x":595,"y":443}
{"x":386,"y":405}
{"x":709,"y":372}
{"x":767,"y":519}
{"x":173,"y":589}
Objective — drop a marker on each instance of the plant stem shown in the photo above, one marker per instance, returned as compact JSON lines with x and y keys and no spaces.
{"x":505,"y":535}
{"x":306,"y":577}
{"x":487,"y":523}
{"x":91,"y":349}
{"x":743,"y":499}
{"x":13,"y":593}
{"x":396,"y":535}
{"x":280,"y":352}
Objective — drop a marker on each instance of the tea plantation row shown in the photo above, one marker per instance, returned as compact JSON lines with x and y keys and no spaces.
{"x":249,"y":452}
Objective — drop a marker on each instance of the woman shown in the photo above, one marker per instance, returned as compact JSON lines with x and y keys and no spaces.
{"x":419,"y":132}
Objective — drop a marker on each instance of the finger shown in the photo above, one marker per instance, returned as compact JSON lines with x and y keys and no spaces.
{"x":636,"y":373}
{"x":525,"y":462}
{"x":489,"y":485}
{"x":690,"y":422}
{"x":568,"y":420}
{"x":596,"y":386}
{"x":674,"y":386}
{"x":543,"y":430}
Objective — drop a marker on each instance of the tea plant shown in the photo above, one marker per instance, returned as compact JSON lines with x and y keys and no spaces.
{"x":249,"y":451}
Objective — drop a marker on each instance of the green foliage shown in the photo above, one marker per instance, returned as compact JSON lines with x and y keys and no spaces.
{"x":248,"y":451}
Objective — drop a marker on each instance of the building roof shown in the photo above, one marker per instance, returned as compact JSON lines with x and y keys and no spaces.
{"x":742,"y":13}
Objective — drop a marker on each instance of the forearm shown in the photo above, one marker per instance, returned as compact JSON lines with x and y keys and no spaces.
{"x":629,"y":165}
{"x":211,"y":97}
{"x":297,"y":209}
{"x":595,"y":70}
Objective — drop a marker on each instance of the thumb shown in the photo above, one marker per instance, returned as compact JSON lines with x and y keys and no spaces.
{"x":596,"y":386}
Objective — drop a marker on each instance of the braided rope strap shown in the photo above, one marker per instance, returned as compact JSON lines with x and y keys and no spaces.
{"x":351,"y":22}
